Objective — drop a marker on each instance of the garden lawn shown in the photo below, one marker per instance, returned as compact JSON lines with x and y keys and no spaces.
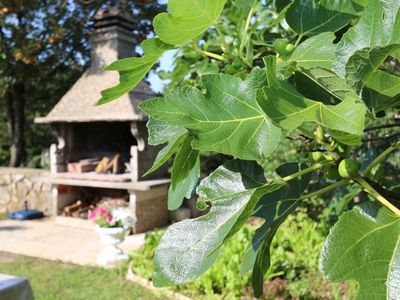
{"x":52,"y":280}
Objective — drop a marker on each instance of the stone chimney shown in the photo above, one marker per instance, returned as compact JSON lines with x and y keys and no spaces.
{"x":112,"y":37}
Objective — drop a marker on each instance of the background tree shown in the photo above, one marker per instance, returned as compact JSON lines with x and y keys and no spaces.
{"x":43,"y":49}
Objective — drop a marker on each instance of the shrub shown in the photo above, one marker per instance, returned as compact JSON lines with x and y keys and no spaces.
{"x":295,"y":253}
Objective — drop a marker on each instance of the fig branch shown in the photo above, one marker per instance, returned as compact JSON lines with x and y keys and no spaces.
{"x":389,"y":195}
{"x":380,"y":158}
{"x":370,"y":190}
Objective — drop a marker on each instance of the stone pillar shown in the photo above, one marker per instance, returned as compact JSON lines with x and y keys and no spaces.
{"x":57,"y":163}
{"x":150,"y":208}
{"x":143,"y":155}
{"x":61,"y":197}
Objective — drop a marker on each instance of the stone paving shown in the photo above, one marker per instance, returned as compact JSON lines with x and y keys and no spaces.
{"x":47,"y":240}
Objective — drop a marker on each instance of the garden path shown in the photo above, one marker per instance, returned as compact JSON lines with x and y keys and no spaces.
{"x":47,"y":240}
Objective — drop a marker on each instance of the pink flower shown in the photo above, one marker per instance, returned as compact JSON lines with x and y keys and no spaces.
{"x":98,"y":212}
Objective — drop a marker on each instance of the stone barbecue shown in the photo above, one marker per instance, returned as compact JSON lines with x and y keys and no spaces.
{"x":102,"y":151}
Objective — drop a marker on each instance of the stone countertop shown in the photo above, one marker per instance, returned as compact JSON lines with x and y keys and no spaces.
{"x":146,"y":185}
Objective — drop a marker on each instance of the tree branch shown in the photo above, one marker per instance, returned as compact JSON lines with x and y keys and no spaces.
{"x":389,"y":195}
{"x":383,"y":126}
{"x":381,"y":138}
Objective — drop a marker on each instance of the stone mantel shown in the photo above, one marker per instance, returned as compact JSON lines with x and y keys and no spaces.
{"x":130,"y":186}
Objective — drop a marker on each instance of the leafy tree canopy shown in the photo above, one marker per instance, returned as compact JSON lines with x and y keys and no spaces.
{"x":43,"y":50}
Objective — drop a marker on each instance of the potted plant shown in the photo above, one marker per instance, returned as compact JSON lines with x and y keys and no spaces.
{"x":112,"y":223}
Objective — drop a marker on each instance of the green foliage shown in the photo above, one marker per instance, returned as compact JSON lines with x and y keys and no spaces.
{"x":312,"y":17}
{"x":186,"y":20}
{"x":185,"y":174}
{"x":378,"y":238}
{"x":274,"y":208}
{"x":133,"y":70}
{"x":166,"y":153}
{"x":359,"y":58}
{"x":294,"y":254}
{"x":221,"y":131}
{"x":290,"y":109}
{"x":320,"y":82}
{"x":162,"y":132}
{"x":317,"y":51}
{"x":233,"y":191}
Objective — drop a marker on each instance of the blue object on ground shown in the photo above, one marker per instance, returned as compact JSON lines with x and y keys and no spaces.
{"x":25,"y":214}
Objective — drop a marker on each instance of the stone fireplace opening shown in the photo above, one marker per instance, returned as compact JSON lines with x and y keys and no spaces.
{"x":98,"y":139}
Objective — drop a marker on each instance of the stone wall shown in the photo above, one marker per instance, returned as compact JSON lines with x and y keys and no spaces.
{"x":18,"y":185}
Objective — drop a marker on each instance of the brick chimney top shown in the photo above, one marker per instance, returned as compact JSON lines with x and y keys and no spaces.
{"x":113,"y":16}
{"x":112,"y":37}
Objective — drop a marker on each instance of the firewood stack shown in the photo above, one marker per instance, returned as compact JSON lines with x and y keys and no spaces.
{"x":83,"y":166}
{"x":79,"y":209}
{"x":108,"y":165}
{"x":88,"y":200}
{"x":105,"y":165}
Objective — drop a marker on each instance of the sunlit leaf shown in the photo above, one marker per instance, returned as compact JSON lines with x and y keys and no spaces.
{"x":379,"y":26}
{"x":308,"y":17}
{"x":323,"y":85}
{"x":317,"y":51}
{"x":186,"y":20}
{"x":161,"y":132}
{"x":227,"y":119}
{"x":364,"y":245}
{"x":289,"y":109}
{"x":132,"y":70}
{"x":190,"y":247}
{"x":184,"y":175}
{"x":382,"y":90}
{"x":165,"y":154}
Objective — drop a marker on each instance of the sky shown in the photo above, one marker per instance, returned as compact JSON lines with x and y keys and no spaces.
{"x":166,"y":61}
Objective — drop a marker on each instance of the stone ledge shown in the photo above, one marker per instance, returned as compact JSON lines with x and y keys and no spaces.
{"x":23,"y":170}
{"x":134,"y":186}
{"x":18,"y":185}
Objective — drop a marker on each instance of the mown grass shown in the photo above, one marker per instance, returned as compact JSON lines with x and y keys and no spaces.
{"x":53,"y":281}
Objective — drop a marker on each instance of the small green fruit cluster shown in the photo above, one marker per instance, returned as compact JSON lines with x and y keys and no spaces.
{"x":316,"y":156}
{"x":348,"y":168}
{"x":283,"y":47}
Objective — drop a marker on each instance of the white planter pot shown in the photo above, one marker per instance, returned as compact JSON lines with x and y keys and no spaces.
{"x":110,"y":238}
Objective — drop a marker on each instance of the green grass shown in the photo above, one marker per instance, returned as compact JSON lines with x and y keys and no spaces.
{"x":53,"y":281}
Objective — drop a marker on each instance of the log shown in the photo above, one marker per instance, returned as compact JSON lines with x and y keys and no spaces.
{"x":103,"y":165}
{"x":83,"y":166}
{"x":108,"y":165}
{"x":116,"y":164}
{"x":70,"y":208}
